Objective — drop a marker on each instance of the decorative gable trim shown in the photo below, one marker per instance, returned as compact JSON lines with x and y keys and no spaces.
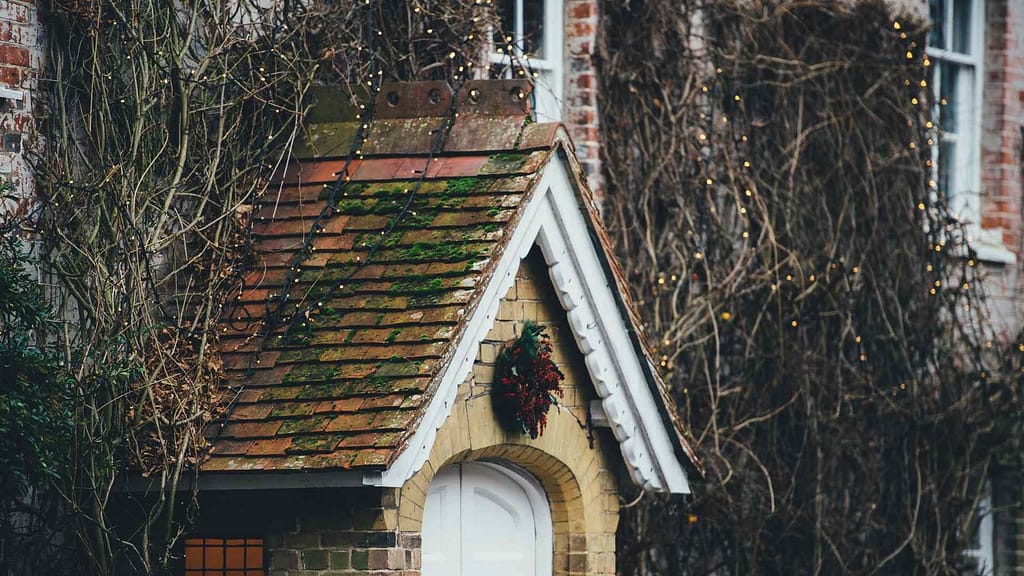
{"x":553,"y":220}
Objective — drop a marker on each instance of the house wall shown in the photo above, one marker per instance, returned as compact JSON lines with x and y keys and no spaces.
{"x":374,"y":531}
{"x":1002,"y":191}
{"x":576,"y":471}
{"x":309,"y":532}
{"x":21,"y":57}
{"x":581,"y":24}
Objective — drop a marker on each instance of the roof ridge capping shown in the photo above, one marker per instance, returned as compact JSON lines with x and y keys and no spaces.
{"x":398,"y":100}
{"x":407,"y":117}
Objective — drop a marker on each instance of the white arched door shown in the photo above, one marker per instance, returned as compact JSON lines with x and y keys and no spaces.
{"x":483,"y":518}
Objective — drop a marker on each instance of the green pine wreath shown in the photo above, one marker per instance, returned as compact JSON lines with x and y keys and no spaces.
{"x":528,"y":381}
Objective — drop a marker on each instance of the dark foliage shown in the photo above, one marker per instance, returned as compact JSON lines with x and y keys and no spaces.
{"x":35,"y":404}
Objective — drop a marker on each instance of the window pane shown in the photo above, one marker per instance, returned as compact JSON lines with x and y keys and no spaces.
{"x":193,"y":557}
{"x":947,"y":167}
{"x":948,"y":112}
{"x":214,"y":557}
{"x":253,"y":557}
{"x":533,"y":27}
{"x":506,"y":22}
{"x":962,"y":26}
{"x":937,"y":14}
{"x":235,"y":557}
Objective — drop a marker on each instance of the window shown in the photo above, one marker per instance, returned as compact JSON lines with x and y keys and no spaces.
{"x":982,"y":537}
{"x":955,"y":48}
{"x":534,"y":30}
{"x":224,"y":556}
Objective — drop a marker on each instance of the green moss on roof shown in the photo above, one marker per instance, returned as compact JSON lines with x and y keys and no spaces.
{"x":405,"y":299}
{"x":444,"y":251}
{"x":349,"y":188}
{"x":465,"y":185}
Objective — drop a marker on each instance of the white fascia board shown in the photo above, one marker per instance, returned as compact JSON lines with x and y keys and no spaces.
{"x":553,"y":220}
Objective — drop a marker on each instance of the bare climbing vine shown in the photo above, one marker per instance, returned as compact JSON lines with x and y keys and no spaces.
{"x":817,"y":306}
{"x":165,"y":123}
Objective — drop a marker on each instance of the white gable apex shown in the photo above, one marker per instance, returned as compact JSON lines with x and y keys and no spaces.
{"x":553,"y":220}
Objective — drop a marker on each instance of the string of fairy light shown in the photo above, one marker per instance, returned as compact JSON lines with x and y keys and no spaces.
{"x":277,"y":302}
{"x":932,"y":201}
{"x":162,"y":63}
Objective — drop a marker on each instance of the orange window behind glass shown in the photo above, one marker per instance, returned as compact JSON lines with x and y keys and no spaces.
{"x":223,"y":557}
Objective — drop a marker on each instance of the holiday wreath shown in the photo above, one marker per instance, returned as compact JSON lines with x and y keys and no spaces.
{"x":528,"y":381}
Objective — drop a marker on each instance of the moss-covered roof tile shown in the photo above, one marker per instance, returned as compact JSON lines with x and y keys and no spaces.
{"x":359,"y":289}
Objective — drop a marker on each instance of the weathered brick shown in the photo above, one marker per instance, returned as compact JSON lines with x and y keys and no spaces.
{"x":284,"y":560}
{"x":340,"y":559}
{"x":315,"y":559}
{"x":360,"y":559}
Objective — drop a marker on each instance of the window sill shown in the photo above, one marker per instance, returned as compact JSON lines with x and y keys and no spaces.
{"x":992,"y":253}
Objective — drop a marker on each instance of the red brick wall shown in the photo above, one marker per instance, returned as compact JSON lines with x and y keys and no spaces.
{"x":20,"y":59}
{"x":1003,"y":119}
{"x":581,"y":85}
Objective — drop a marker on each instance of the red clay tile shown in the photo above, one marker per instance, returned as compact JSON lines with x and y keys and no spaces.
{"x":225,"y":447}
{"x":456,"y":166}
{"x":393,"y":419}
{"x":270,"y":447}
{"x":314,"y":172}
{"x":361,"y":440}
{"x":372,"y":458}
{"x":275,"y":375}
{"x":329,"y":394}
{"x":250,"y":412}
{"x":350,"y":422}
{"x":277,"y":211}
{"x":246,"y":361}
{"x":381,"y":169}
{"x":381,"y":402}
{"x":343,"y":405}
{"x":263,"y":429}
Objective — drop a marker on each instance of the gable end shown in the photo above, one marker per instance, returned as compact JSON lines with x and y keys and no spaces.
{"x":553,"y":220}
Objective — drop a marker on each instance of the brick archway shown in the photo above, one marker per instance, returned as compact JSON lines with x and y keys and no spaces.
{"x":581,"y":492}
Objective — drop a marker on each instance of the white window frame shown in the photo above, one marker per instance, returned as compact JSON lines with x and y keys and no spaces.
{"x":964,"y":199}
{"x":549,"y":71}
{"x":984,"y":555}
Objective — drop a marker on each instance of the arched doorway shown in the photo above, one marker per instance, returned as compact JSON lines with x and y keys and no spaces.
{"x":486,"y":518}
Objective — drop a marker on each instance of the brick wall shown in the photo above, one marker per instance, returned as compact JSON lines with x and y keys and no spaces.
{"x":581,"y":22}
{"x":579,"y":474}
{"x":1003,"y":119}
{"x":322,"y":532}
{"x":20,"y":60}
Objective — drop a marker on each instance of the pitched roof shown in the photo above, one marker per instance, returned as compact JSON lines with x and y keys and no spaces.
{"x":367,"y":271}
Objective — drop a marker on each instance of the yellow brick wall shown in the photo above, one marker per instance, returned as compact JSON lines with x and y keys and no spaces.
{"x":574,"y":468}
